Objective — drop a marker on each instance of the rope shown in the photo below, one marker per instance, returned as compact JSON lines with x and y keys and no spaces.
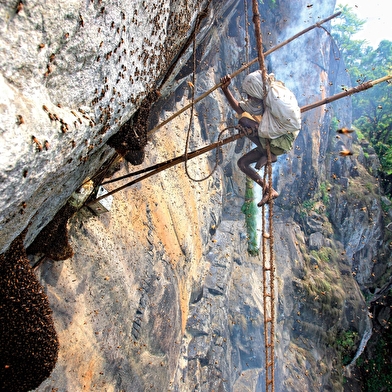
{"x":247,"y":41}
{"x":193,"y":84}
{"x":192,"y":106}
{"x":268,"y":263}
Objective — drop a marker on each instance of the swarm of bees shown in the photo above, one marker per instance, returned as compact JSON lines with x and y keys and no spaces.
{"x":344,"y":131}
{"x":52,"y":241}
{"x":26,"y":317}
{"x":132,"y":137}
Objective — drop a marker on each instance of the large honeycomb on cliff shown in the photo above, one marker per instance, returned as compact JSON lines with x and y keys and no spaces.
{"x":28,"y":339}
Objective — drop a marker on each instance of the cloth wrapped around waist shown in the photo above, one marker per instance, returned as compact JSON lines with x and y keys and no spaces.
{"x":280,"y":145}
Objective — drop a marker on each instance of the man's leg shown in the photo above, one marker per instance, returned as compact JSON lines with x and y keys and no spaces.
{"x":244,"y":164}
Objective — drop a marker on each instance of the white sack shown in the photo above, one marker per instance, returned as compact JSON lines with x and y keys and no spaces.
{"x":282,"y":114}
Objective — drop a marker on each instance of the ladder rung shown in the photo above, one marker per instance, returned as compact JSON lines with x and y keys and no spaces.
{"x":268,"y":320}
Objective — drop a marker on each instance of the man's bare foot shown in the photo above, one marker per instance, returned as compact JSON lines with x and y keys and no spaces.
{"x":266,"y":197}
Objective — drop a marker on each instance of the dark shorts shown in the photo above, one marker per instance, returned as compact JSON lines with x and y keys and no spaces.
{"x":281,"y":145}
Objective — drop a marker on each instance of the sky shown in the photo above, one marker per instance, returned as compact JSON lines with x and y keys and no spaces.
{"x":378,"y":21}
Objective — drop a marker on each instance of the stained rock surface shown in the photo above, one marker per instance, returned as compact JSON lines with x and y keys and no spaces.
{"x":160,"y":293}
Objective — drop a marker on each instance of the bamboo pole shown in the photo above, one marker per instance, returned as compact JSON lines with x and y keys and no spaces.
{"x":168,"y":164}
{"x":175,"y":161}
{"x":243,"y":68}
{"x":353,"y":90}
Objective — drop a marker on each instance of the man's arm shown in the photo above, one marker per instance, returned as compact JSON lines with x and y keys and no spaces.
{"x":226,"y":80}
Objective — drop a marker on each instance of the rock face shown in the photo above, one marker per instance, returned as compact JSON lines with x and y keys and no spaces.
{"x":160,"y":293}
{"x":72,"y":74}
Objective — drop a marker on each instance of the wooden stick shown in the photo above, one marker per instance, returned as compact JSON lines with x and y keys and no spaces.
{"x":174,"y":161}
{"x":243,"y":68}
{"x":167,"y":164}
{"x":356,"y":89}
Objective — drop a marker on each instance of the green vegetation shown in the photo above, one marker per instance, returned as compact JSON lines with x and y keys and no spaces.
{"x":346,"y":345}
{"x":324,"y":254}
{"x":308,"y":204}
{"x":371,"y":108}
{"x":324,"y":193}
{"x":385,"y":207}
{"x":249,"y":208}
{"x":378,"y":370}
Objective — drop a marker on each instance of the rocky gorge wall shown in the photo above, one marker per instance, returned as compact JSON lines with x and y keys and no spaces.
{"x":160,"y":293}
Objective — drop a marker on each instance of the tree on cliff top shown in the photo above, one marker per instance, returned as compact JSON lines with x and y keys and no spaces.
{"x":372,"y":109}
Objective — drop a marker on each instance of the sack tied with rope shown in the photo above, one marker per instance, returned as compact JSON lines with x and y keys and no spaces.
{"x":281,"y":116}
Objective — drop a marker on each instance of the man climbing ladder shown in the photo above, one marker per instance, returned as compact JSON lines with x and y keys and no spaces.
{"x":250,"y":114}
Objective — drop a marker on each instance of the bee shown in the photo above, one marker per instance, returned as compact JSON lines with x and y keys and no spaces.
{"x":52,"y":57}
{"x":74,"y":113}
{"x":63,"y":128}
{"x":51,"y":117}
{"x":37,"y":143}
{"x":19,"y":7}
{"x":102,"y":10}
{"x":66,"y":35}
{"x":112,"y":25}
{"x":73,"y":143}
{"x":345,"y":153}
{"x":190,"y":84}
{"x":41,"y":46}
{"x":20,"y":119}
{"x":46,"y":145}
{"x":59,"y":105}
{"x":100,"y":45}
{"x":81,"y":111}
{"x":25,"y":173}
{"x":344,"y":131}
{"x":98,"y":58}
{"x":81,"y":20}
